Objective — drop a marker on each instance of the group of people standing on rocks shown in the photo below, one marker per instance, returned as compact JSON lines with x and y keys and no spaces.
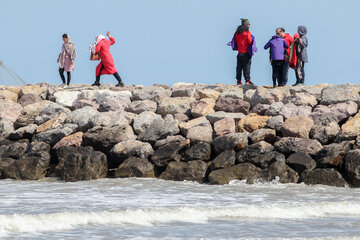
{"x":101,"y":47}
{"x":285,"y":51}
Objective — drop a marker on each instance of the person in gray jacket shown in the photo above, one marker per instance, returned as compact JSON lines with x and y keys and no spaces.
{"x":301,"y":52}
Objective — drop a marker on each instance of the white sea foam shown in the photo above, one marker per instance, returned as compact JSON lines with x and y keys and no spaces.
{"x":19,"y":223}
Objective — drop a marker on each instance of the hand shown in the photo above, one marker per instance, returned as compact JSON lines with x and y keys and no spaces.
{"x":108,"y":33}
{"x":72,"y":62}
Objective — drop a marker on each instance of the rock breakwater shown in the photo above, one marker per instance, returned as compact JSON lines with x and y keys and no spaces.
{"x":195,"y":132}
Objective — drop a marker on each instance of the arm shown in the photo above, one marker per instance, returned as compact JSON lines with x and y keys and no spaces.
{"x":112,"y":40}
{"x":98,"y":47}
{"x":249,"y":39}
{"x":303,"y":42}
{"x":286,"y":46}
{"x":267,"y":45}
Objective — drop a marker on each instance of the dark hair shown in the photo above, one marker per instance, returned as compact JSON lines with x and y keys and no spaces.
{"x":281,"y":29}
{"x":65,"y":35}
{"x":242,"y":29}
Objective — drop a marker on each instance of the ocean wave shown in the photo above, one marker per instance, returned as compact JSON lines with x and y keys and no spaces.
{"x":21,"y":223}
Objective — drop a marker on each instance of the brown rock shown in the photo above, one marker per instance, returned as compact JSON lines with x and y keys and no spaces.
{"x":202,"y":107}
{"x":74,"y":140}
{"x":53,"y":123}
{"x":224,"y":126}
{"x":252,"y":122}
{"x":298,"y":126}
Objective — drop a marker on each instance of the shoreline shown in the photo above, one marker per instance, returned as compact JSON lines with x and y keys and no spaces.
{"x":196,"y":132}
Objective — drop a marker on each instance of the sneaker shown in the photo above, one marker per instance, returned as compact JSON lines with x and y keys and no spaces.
{"x":248,"y":82}
{"x":239,"y":83}
{"x":62,"y":85}
{"x":120,"y":84}
{"x":96,"y":84}
{"x":66,"y":86}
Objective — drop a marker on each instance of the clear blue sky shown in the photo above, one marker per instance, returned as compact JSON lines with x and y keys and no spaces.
{"x":167,"y":41}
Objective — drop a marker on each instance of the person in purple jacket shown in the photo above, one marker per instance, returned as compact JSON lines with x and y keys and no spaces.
{"x":277,"y":47}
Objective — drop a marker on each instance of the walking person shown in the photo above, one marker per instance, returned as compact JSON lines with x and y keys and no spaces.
{"x":244,"y":41}
{"x":300,"y":43}
{"x":289,"y":40}
{"x":66,"y":59}
{"x":277,"y":47}
{"x":106,"y":65}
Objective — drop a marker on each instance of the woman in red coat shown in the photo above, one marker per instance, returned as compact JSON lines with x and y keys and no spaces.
{"x":106,"y":66}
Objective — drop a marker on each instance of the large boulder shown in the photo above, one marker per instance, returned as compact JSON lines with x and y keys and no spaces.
{"x":197,"y":122}
{"x":49,"y":112}
{"x":142,"y":106}
{"x":38,"y":89}
{"x":260,"y":109}
{"x":82,"y":117}
{"x":113,"y":100}
{"x":352,"y":167}
{"x":159,"y":129}
{"x":267,"y":96}
{"x":327,"y":176}
{"x":325,"y":132}
{"x":66,"y":98}
{"x":313,"y":90}
{"x":339,"y":93}
{"x":232,"y":141}
{"x":209,"y":93}
{"x":289,"y":145}
{"x":186,"y":91}
{"x":80,"y":103}
{"x":263,"y":134}
{"x":200,"y":134}
{"x":351,"y":129}
{"x":245,"y":171}
{"x":298,"y":126}
{"x":281,"y":172}
{"x":274,"y":109}
{"x":275,"y":122}
{"x":169,"y":139}
{"x":111,"y":118}
{"x":24,"y":161}
{"x":151,"y":93}
{"x":74,"y":140}
{"x":232,"y":105}
{"x":217,"y":116}
{"x":300,"y":99}
{"x":185,"y":171}
{"x":175,"y":105}
{"x":291,"y":110}
{"x":81,"y":163}
{"x":339,"y":112}
{"x":143,"y":121}
{"x":333,"y":155}
{"x":236,"y":93}
{"x":10,"y":110}
{"x":225,"y":159}
{"x":169,"y":152}
{"x":29,"y":113}
{"x":6,"y":127}
{"x":132,"y":148}
{"x":8,"y":95}
{"x":199,"y":151}
{"x":202,"y":107}
{"x":53,"y":136}
{"x":135,"y":167}
{"x":28,"y":99}
{"x":224,"y":126}
{"x":23,"y":132}
{"x":252,"y":122}
{"x":104,"y":138}
{"x":53,"y":123}
{"x":300,"y":162}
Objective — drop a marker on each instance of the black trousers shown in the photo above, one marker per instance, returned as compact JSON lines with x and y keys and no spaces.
{"x":61,"y":71}
{"x":300,"y":72}
{"x":278,"y":68}
{"x":243,"y":66}
{"x":116,"y":75}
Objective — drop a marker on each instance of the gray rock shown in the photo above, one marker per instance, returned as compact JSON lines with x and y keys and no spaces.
{"x":185,"y":171}
{"x":232,"y":141}
{"x":6,"y":127}
{"x":232,"y":105}
{"x":53,"y":136}
{"x":29,"y":113}
{"x":135,"y":167}
{"x":175,"y":105}
{"x":80,"y":103}
{"x":300,"y":99}
{"x":28,"y":99}
{"x":10,"y":110}
{"x":225,"y":159}
{"x":249,"y":94}
{"x":288,"y":145}
{"x":200,"y":151}
{"x":328,"y":176}
{"x":181,"y":117}
{"x":216,"y":116}
{"x":313,"y":90}
{"x":238,"y":172}
{"x":333,"y":155}
{"x":66,"y":98}
{"x":151,"y":93}
{"x":263,"y":134}
{"x":200,"y":134}
{"x":268,"y":96}
{"x":129,"y":148}
{"x":352,"y":167}
{"x":334,"y":113}
{"x":23,"y":132}
{"x":144,"y":120}
{"x":159,"y":129}
{"x":260,"y":109}
{"x":290,"y":110}
{"x":169,"y":152}
{"x":142,"y":106}
{"x":339,"y":93}
{"x":111,"y":118}
{"x":24,"y":161}
{"x":197,"y":122}
{"x":279,"y":170}
{"x":275,"y":122}
{"x":325,"y":132}
{"x":274,"y":109}
{"x":113,"y":101}
{"x":185,"y":92}
{"x":49,"y":112}
{"x":81,"y":163}
{"x":233,"y":93}
{"x":169,"y":139}
{"x":82,"y":117}
{"x":300,"y":162}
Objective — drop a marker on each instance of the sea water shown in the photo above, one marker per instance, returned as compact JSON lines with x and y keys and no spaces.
{"x":155,"y":209}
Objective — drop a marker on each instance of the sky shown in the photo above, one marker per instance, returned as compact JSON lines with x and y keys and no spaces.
{"x":169,"y":41}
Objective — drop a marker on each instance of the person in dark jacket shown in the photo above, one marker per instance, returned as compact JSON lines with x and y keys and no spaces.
{"x":301,"y":43}
{"x":243,"y":40}
{"x":277,"y":47}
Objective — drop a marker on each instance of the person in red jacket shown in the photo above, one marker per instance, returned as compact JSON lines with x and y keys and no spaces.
{"x":289,"y":40}
{"x":106,"y":66}
{"x":243,"y":40}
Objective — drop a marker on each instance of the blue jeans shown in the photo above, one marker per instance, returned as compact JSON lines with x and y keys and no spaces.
{"x":285,"y":73}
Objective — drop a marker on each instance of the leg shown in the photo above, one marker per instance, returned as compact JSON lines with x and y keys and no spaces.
{"x":274,"y":73}
{"x":68,"y":78}
{"x":281,"y":73}
{"x":247,"y":67}
{"x":120,"y":82}
{"x":285,"y":73}
{"x":61,"y":71}
{"x":239,"y":68}
{"x":303,"y":73}
{"x":99,"y":68}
